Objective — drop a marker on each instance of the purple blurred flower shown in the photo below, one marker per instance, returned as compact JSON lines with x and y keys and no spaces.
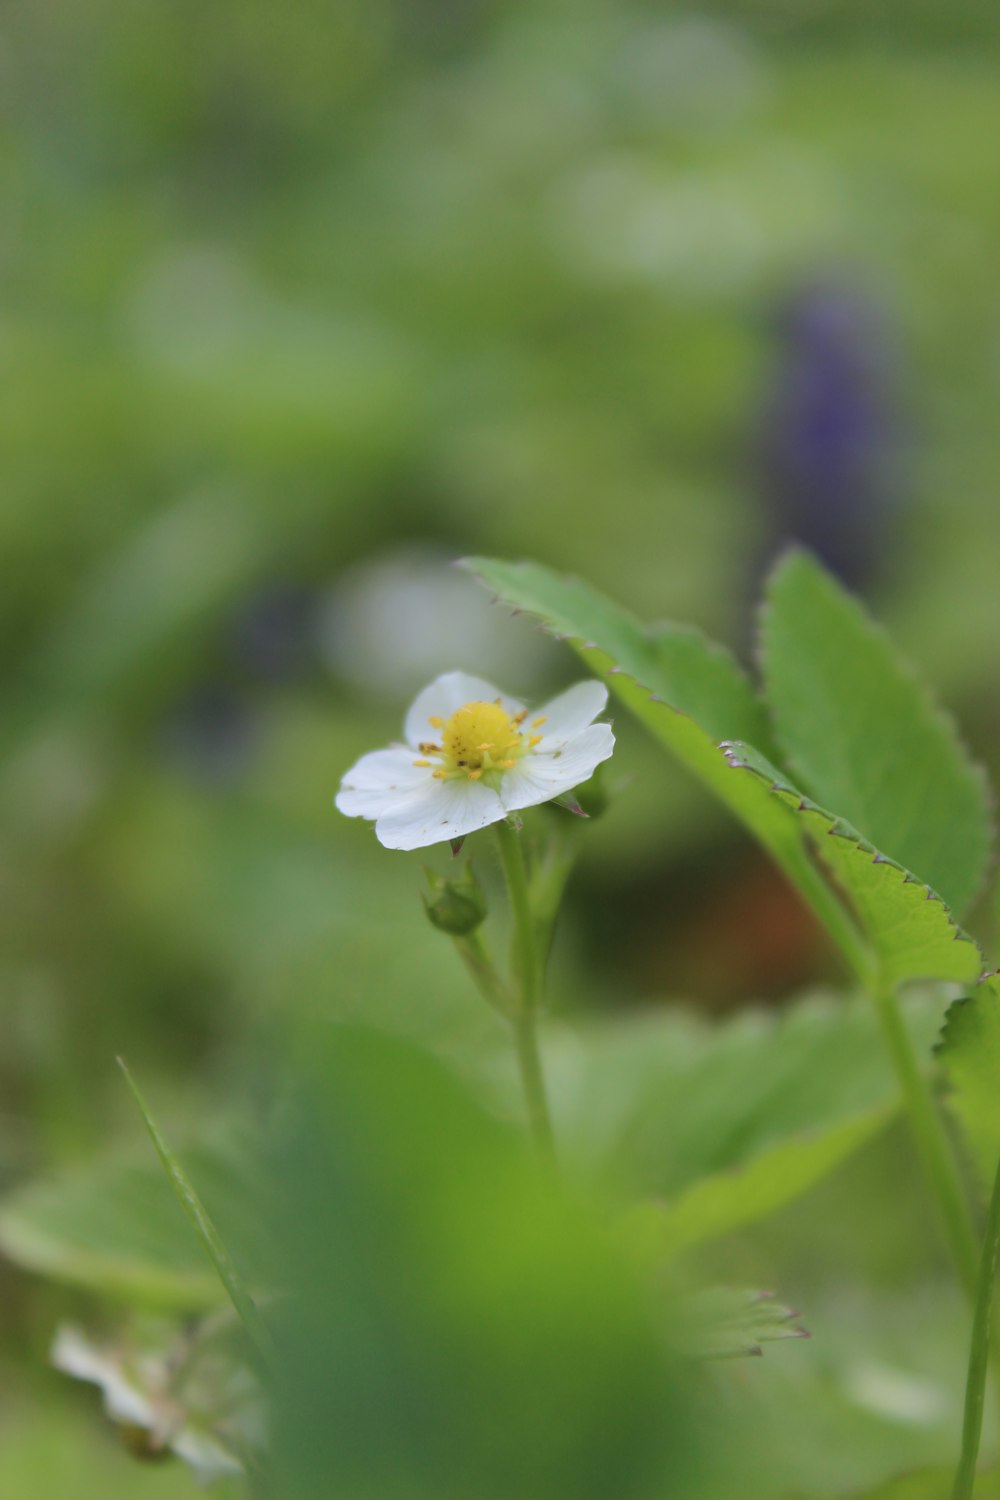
{"x":827,"y":447}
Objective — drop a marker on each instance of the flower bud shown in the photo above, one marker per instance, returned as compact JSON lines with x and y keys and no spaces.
{"x":455,"y":906}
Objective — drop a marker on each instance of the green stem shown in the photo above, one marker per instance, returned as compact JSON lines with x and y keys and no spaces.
{"x":533,"y":1082}
{"x":931,"y":1141}
{"x":979,"y":1351}
{"x":477,"y":960}
{"x":933,"y":1147}
{"x":525,"y":953}
{"x":528,"y":973}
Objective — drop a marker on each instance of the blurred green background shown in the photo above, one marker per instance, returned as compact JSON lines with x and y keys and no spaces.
{"x":302,"y":302}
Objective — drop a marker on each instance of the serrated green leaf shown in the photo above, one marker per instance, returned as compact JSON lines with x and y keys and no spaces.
{"x":909,"y":927}
{"x":695,"y":676}
{"x":113,"y":1227}
{"x":724,"y":1322}
{"x":687,"y":691}
{"x":970,"y":1054}
{"x":863,"y":735}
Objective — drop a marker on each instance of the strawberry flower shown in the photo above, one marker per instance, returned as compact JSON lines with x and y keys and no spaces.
{"x":472,"y":756}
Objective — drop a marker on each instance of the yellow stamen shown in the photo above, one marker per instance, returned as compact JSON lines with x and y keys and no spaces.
{"x":479,"y":738}
{"x":436,"y":721}
{"x":423,"y":762}
{"x":542,"y":719}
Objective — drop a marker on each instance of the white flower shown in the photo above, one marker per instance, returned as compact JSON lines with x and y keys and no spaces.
{"x":473,"y":755}
{"x":137,"y":1386}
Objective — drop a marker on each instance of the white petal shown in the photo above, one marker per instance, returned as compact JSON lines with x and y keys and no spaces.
{"x":378,"y":781}
{"x":444,"y":696}
{"x":442,"y":810}
{"x":570,"y":713}
{"x":540,"y":777}
{"x":74,"y":1353}
{"x":207,"y":1457}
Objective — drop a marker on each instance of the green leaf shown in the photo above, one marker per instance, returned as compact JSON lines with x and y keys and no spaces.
{"x":725,"y":1121}
{"x":721,"y":1203}
{"x":724,"y":1322}
{"x":909,"y":927}
{"x":687,"y":691}
{"x":113,"y":1226}
{"x":970,"y":1055}
{"x":663,"y":1099}
{"x":863,"y":735}
{"x":698,"y":678}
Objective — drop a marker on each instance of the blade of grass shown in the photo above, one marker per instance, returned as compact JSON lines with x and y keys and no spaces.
{"x":206,"y":1231}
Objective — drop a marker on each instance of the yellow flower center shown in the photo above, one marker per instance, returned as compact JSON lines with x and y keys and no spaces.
{"x":478,"y":735}
{"x":477,"y":739}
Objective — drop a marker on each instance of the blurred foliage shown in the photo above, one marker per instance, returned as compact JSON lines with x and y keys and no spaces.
{"x":486,"y":1335}
{"x":300,"y":303}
